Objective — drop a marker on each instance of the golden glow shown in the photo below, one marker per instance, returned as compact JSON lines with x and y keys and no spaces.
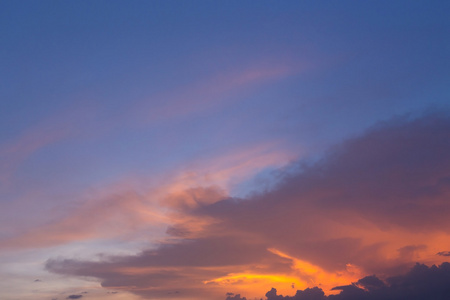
{"x":254,"y":285}
{"x":303,"y":275}
{"x":248,"y":277}
{"x":315,"y":276}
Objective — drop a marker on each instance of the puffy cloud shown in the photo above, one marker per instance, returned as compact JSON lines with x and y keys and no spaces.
{"x":231,"y":296}
{"x":314,"y":293}
{"x":310,"y":294}
{"x":374,"y":204}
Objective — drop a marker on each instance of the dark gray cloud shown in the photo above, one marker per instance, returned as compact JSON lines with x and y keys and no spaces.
{"x":444,"y":253}
{"x":421,"y":282}
{"x":74,"y":297}
{"x":371,"y":283}
{"x":314,"y":293}
{"x":231,"y":296}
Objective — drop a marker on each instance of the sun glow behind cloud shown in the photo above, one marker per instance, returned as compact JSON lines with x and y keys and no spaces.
{"x":252,"y":284}
{"x":303,"y":275}
{"x":307,"y":232}
{"x":161,"y":151}
{"x":313,"y":275}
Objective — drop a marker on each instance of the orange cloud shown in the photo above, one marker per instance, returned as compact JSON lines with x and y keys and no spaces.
{"x":313,"y":275}
{"x":327,"y":224}
{"x":126,"y":209}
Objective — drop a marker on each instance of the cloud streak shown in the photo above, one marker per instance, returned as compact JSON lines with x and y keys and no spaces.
{"x":122,"y":211}
{"x":207,"y":94}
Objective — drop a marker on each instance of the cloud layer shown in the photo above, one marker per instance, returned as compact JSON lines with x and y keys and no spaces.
{"x":375,"y":204}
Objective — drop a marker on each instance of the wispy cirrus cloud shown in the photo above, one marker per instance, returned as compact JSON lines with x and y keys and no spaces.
{"x":47,"y":132}
{"x":211,"y":93}
{"x":126,"y":209}
{"x":16,"y":151}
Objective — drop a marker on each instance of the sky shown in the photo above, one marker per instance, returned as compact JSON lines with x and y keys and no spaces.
{"x":224,"y":150}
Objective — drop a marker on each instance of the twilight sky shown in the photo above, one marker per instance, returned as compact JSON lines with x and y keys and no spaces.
{"x":212,"y":150}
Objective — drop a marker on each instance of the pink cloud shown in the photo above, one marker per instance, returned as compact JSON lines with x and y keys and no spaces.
{"x":375,"y":204}
{"x":15,"y":152}
{"x":126,"y":209}
{"x":207,"y":94}
{"x":48,"y":131}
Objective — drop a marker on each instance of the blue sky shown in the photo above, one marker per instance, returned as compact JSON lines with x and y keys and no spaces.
{"x":155,"y":98}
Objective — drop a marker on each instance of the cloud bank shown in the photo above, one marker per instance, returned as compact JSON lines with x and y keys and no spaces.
{"x":375,"y":204}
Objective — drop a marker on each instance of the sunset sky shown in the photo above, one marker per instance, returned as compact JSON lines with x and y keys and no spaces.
{"x":213,"y":150}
